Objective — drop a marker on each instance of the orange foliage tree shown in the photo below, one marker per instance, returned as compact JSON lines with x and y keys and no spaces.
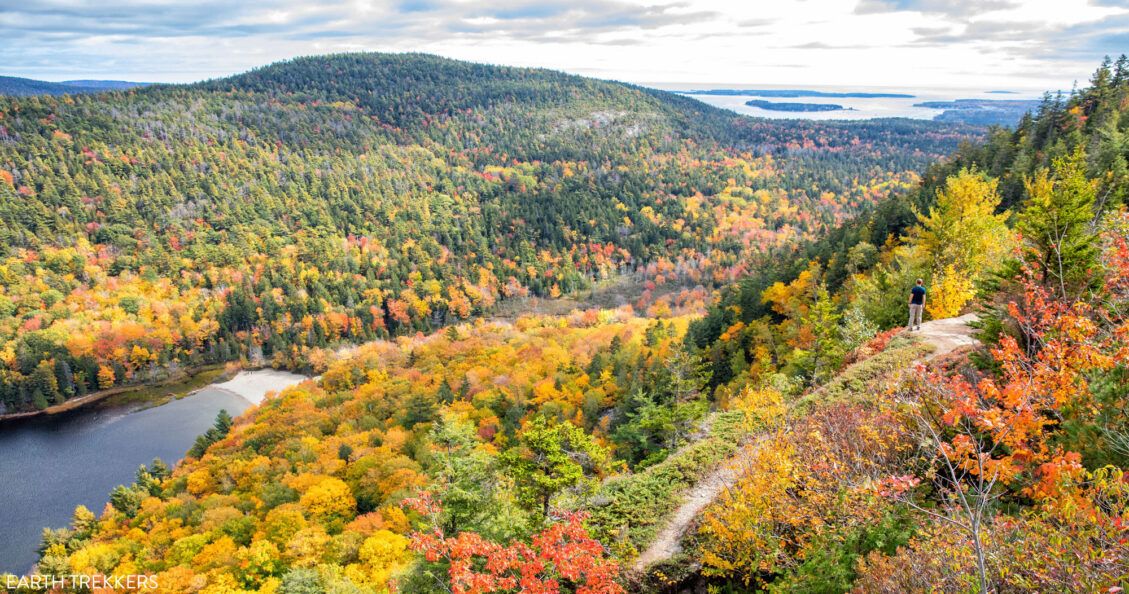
{"x":992,"y":438}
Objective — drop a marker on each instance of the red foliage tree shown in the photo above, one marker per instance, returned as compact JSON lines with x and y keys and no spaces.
{"x":560,"y":558}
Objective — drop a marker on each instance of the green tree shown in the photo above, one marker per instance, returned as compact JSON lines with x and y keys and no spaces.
{"x":856,"y":329}
{"x":43,"y":380}
{"x":550,"y":457}
{"x":216,"y":432}
{"x":445,"y":394}
{"x":1057,"y":226}
{"x":825,"y":354}
{"x":419,"y":409}
{"x":126,"y":500}
{"x":466,"y":482}
{"x":302,"y":581}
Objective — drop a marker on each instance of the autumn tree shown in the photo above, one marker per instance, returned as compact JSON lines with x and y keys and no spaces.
{"x":562,"y":558}
{"x":963,"y":228}
{"x":106,"y":377}
{"x":960,"y":240}
{"x":330,"y":501}
{"x":992,"y":437}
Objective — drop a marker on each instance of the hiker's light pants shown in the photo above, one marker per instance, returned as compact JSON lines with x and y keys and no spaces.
{"x":915,"y":315}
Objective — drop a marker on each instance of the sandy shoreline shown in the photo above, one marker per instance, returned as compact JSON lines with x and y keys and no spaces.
{"x":254,"y":386}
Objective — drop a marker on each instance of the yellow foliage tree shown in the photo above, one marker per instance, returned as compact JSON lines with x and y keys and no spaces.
{"x":961,"y":238}
{"x":949,"y":293}
{"x":200,"y":481}
{"x":140,"y":356}
{"x":962,"y":229}
{"x":220,"y":553}
{"x":258,"y":562}
{"x":740,"y":530}
{"x":329,"y":500}
{"x":95,"y":558}
{"x":283,"y":522}
{"x":308,"y":547}
{"x":762,"y":407}
{"x":105,"y":377}
{"x":382,"y":555}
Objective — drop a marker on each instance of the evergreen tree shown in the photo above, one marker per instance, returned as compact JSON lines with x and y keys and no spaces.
{"x":1057,"y":226}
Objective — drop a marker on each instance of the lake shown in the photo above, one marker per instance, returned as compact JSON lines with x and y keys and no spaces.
{"x":48,"y":465}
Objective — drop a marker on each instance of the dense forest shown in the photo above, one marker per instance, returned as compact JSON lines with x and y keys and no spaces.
{"x":270,"y":216}
{"x":547,"y":453}
{"x":866,"y":261}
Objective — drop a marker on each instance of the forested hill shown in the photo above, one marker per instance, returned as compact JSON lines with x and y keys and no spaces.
{"x":270,"y":215}
{"x":12,"y":85}
{"x":411,"y":91}
{"x":867,"y":263}
{"x":1010,"y":460}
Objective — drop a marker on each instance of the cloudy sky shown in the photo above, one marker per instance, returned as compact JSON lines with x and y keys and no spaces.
{"x":1020,"y":44}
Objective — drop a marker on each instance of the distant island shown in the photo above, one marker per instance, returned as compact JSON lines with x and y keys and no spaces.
{"x":981,"y":112}
{"x":15,"y":86}
{"x":774,"y":106}
{"x":794,"y":93}
{"x":1003,"y":92}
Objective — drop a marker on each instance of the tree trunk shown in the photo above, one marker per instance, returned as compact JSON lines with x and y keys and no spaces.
{"x":981,"y":564}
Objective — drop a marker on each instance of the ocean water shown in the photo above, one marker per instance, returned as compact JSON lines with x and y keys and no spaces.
{"x":859,"y":108}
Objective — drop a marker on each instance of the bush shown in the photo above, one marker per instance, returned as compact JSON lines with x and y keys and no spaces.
{"x":864,"y":378}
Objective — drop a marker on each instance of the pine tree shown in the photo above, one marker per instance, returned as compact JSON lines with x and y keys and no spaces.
{"x":418,"y":409}
{"x":445,"y":394}
{"x":1057,"y":226}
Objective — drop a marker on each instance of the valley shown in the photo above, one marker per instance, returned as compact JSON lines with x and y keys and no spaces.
{"x":565,"y":334}
{"x":432,"y":212}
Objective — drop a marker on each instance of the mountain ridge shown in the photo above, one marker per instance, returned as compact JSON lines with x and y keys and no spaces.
{"x":17,"y":86}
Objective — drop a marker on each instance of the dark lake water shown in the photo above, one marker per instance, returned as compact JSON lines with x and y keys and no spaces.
{"x":50,"y":465}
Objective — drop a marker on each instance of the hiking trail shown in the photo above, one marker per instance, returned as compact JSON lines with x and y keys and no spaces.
{"x":945,"y":335}
{"x":948,"y":334}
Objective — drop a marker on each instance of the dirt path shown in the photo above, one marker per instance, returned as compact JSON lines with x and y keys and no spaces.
{"x":945,"y":335}
{"x":668,"y":542}
{"x":948,"y":334}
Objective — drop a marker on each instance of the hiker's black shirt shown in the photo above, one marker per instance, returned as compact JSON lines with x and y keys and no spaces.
{"x":918,"y":295}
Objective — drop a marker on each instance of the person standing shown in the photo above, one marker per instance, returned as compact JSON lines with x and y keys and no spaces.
{"x":916,"y":304}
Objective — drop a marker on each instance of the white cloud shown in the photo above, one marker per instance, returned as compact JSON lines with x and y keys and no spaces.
{"x":898,"y":43}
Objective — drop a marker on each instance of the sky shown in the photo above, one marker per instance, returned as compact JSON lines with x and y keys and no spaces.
{"x":987,"y":44}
